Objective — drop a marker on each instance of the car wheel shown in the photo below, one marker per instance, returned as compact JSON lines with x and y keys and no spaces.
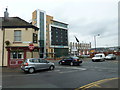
{"x":93,"y":60}
{"x":71,"y":64}
{"x":51,"y":67}
{"x":60,"y":63}
{"x":78,"y":64}
{"x":102,"y":60}
{"x":31,"y":70}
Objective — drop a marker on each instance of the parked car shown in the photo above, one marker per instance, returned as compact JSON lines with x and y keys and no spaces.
{"x":70,"y":60}
{"x":110,"y":57}
{"x":33,"y":64}
{"x":99,"y":57}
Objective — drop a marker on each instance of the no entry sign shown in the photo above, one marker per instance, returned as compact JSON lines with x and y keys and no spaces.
{"x":31,"y":46}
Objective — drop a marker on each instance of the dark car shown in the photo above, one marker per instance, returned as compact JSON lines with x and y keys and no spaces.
{"x":71,"y":60}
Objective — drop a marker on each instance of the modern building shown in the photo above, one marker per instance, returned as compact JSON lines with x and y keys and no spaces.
{"x":16,"y":37}
{"x":79,"y":48}
{"x":52,"y":35}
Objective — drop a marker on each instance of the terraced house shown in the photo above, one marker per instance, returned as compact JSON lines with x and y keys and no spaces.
{"x":16,"y":38}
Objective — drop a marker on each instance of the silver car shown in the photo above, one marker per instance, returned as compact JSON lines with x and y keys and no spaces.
{"x":33,"y":64}
{"x":110,"y":57}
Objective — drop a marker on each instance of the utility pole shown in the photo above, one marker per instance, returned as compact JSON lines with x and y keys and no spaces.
{"x":95,"y":40}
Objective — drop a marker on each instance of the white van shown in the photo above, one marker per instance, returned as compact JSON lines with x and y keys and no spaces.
{"x":99,"y":57}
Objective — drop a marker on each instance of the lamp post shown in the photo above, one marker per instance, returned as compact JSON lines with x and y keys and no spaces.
{"x":95,"y":40}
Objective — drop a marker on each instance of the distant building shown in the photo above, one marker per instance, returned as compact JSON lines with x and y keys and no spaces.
{"x":79,"y":48}
{"x":106,"y":50}
{"x":16,"y":35}
{"x":52,"y":35}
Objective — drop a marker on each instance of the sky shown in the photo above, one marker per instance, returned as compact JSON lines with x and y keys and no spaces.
{"x":86,"y":18}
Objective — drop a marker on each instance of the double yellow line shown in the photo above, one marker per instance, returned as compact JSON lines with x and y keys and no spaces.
{"x":96,"y":84}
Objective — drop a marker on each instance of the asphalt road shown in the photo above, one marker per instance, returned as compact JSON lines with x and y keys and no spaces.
{"x":63,"y":76}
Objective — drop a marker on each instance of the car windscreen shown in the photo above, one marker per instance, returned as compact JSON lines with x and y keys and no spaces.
{"x":110,"y":55}
{"x":98,"y":55}
{"x":75,"y":57}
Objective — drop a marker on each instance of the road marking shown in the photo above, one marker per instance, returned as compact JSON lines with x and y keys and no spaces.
{"x":32,"y":74}
{"x":68,"y":71}
{"x":95,"y":84}
{"x":71,"y":68}
{"x":57,"y":70}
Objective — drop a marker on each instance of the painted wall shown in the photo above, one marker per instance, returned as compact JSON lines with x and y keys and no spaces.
{"x":26,"y":38}
{"x":1,"y":45}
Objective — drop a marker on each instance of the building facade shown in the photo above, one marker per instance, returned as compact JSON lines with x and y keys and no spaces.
{"x":79,"y":48}
{"x":1,"y":45}
{"x":39,"y":20}
{"x":54,"y":34}
{"x":16,"y":36}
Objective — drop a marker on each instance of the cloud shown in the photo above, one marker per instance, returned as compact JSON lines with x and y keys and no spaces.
{"x":86,"y":18}
{"x":108,"y":30}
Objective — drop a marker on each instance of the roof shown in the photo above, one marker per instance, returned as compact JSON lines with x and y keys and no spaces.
{"x":16,"y":22}
{"x":60,"y":22}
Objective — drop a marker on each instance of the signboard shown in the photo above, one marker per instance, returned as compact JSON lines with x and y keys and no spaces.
{"x":26,"y":42}
{"x":31,"y":46}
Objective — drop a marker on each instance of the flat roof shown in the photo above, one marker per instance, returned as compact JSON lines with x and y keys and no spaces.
{"x":59,"y":22}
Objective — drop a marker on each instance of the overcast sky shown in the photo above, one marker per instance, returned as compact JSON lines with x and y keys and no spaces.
{"x":86,"y":18}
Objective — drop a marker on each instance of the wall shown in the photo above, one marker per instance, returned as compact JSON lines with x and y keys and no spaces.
{"x":1,"y":45}
{"x":26,"y":38}
{"x":48,"y":22}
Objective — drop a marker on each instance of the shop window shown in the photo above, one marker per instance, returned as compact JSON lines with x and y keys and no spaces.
{"x":16,"y":55}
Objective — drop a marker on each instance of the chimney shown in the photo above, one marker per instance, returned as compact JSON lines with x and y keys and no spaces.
{"x":6,"y":14}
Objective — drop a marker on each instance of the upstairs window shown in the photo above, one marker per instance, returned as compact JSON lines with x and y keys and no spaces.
{"x":17,"y":35}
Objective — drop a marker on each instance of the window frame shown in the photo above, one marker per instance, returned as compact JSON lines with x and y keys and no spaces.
{"x":16,"y":52}
{"x":19,"y":36}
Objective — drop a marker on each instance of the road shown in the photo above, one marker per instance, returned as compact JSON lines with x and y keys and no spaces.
{"x":63,"y":76}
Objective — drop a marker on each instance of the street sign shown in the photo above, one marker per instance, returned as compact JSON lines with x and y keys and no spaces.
{"x":31,"y":46}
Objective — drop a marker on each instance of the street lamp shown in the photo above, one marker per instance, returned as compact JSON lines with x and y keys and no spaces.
{"x":95,"y":40}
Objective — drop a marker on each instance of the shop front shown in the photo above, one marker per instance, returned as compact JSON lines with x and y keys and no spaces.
{"x":16,"y":55}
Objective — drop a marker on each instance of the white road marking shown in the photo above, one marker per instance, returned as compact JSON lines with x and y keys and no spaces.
{"x":69,"y":71}
{"x":32,"y":74}
{"x":76,"y":68}
{"x":57,"y":70}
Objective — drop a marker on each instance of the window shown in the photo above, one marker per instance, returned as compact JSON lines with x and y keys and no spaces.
{"x":16,"y":55}
{"x":35,"y":37}
{"x":42,"y":61}
{"x":36,"y":61}
{"x":17,"y":35}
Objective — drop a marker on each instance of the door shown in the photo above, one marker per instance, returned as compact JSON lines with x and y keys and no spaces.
{"x":68,"y":60}
{"x":43,"y":64}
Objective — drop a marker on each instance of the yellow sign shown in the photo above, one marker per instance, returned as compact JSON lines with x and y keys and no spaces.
{"x":92,"y":50}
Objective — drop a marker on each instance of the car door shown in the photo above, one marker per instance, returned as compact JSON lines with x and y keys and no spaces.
{"x":35,"y":63}
{"x":43,"y":64}
{"x":68,"y":60}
